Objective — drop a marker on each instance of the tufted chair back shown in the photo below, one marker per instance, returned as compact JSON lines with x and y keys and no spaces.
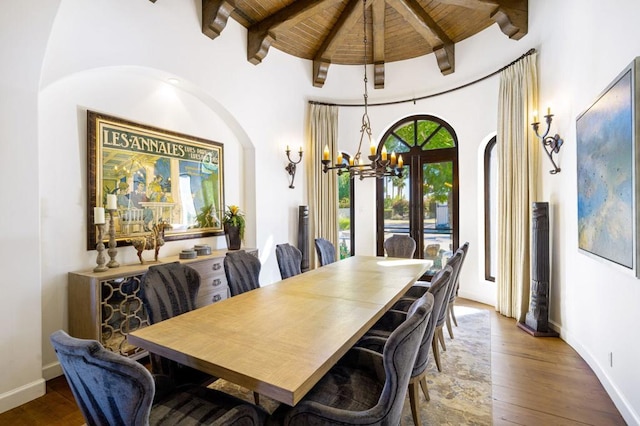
{"x":109,"y":388}
{"x":112,"y":390}
{"x":326,"y":251}
{"x":439,"y":286}
{"x":289,"y":260}
{"x":242,"y":270}
{"x":168,"y":290}
{"x":400,"y":246}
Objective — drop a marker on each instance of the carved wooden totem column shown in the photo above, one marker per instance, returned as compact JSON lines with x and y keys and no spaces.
{"x":537,"y":319}
{"x":303,"y":236}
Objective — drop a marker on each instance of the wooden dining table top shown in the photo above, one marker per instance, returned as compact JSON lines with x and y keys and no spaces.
{"x":280,"y":339}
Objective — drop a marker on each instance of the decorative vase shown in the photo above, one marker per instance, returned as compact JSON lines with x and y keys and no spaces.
{"x":232,"y":234}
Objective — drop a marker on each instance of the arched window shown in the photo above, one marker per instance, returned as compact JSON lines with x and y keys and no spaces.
{"x":490,"y":210}
{"x":424,"y":201}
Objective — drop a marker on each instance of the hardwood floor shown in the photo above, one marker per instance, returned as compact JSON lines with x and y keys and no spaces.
{"x":536,"y":381}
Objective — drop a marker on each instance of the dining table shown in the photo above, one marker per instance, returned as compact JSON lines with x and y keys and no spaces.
{"x":280,"y":339}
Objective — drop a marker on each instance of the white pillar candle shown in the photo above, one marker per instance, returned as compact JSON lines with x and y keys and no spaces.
{"x":111,"y":202}
{"x":98,"y":215}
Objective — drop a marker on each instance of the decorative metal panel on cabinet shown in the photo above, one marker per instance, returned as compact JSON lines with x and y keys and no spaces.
{"x":105,"y":306}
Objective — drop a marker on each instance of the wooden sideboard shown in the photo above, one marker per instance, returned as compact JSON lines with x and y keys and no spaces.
{"x":105,"y":306}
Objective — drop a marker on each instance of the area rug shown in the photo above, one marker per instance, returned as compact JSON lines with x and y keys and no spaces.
{"x":460,"y":394}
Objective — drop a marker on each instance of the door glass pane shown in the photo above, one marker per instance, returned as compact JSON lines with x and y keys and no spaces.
{"x":437,"y":193}
{"x":396,"y":204}
{"x":344,"y":214}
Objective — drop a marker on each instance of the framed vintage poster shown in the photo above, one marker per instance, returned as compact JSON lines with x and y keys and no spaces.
{"x":607,"y":168}
{"x":156,"y":176}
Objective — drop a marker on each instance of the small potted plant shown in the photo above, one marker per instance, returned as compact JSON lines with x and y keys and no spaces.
{"x":234,"y":225}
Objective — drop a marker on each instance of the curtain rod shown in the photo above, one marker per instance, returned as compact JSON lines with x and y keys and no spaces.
{"x":433,"y":95}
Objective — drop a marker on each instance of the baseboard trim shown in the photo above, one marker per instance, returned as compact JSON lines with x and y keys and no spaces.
{"x":629,"y":415}
{"x":22,"y":395}
{"x":51,"y":371}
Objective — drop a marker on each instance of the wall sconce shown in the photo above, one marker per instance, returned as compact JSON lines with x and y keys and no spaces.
{"x":551,"y":144}
{"x":291,"y":167}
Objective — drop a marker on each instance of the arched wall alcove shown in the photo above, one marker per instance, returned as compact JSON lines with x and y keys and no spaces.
{"x":137,"y":94}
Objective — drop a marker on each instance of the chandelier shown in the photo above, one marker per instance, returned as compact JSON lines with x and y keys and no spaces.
{"x":379,"y":165}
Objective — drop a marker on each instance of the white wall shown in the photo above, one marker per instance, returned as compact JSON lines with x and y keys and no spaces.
{"x":24,"y":29}
{"x":594,"y":303}
{"x":115,"y":57}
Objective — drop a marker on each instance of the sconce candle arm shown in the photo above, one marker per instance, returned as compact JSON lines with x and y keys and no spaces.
{"x":291,"y":167}
{"x":551,"y":144}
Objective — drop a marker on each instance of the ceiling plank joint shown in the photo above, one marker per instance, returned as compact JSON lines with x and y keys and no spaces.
{"x":422,"y":22}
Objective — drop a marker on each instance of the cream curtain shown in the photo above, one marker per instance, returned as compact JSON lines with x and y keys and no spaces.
{"x":518,"y":152}
{"x":323,"y":187}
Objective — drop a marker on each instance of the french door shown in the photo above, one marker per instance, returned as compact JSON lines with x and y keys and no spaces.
{"x":423,"y":203}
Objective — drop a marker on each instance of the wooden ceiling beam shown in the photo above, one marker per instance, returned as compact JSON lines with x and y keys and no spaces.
{"x":215,"y":14}
{"x":510,"y":15}
{"x":422,"y":22}
{"x":261,"y":35}
{"x":322,"y":59}
{"x":377,"y":12}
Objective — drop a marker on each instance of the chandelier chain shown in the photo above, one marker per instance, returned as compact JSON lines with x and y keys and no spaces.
{"x":380,"y":165}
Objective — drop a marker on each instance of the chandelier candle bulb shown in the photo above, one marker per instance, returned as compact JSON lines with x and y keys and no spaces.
{"x":535,"y":116}
{"x":372,"y":148}
{"x":400,"y":161}
{"x":325,"y":153}
{"x":339,"y":161}
{"x":383,"y":154}
{"x":351,"y":161}
{"x":548,"y":110}
{"x":393,"y":158}
{"x":111,"y":202}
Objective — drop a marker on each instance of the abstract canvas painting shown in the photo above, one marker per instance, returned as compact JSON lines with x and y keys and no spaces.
{"x":606,"y":173}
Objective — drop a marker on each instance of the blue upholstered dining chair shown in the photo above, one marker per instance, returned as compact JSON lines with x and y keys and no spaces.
{"x":112,"y":390}
{"x":289,"y":260}
{"x":400,"y":246}
{"x":416,"y":291}
{"x":168,"y":290}
{"x":394,"y":317}
{"x":325,"y":250}
{"x":365,"y":387}
{"x":454,"y":293}
{"x":242,"y":270}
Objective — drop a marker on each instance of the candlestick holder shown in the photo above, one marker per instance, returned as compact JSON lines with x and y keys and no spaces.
{"x":112,"y":241}
{"x":100,"y":248}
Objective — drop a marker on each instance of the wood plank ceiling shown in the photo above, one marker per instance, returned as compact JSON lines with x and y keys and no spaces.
{"x":331,"y":31}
